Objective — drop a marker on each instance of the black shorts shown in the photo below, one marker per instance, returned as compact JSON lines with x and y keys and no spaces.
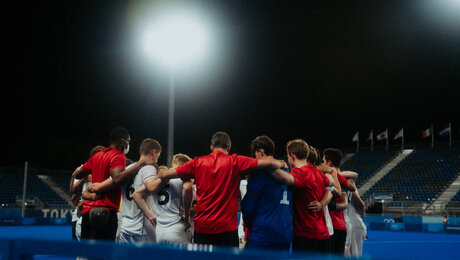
{"x":101,"y":232}
{"x":219,"y":239}
{"x":311,"y":245}
{"x":338,"y":241}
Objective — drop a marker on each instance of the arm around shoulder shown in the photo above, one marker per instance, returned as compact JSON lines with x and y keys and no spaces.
{"x":283,"y":177}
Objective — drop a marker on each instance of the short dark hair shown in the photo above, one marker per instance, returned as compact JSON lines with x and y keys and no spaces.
{"x":148,"y":144}
{"x":221,"y":140}
{"x":118,"y":133}
{"x":319,"y":160}
{"x":299,"y":148}
{"x":263,"y":142}
{"x":312,"y":155}
{"x":334,"y":155}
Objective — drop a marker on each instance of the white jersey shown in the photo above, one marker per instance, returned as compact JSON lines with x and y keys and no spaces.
{"x":358,"y":231}
{"x":329,"y":224}
{"x":355,"y":217}
{"x":167,"y":203}
{"x":132,"y":222}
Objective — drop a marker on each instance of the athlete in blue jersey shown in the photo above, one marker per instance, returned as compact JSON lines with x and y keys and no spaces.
{"x":267,"y":206}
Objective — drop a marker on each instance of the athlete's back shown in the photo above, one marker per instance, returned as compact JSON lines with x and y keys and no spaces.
{"x":167,"y":206}
{"x":267,"y":211}
{"x":132,"y":223}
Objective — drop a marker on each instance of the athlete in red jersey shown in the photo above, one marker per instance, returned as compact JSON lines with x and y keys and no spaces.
{"x":309,"y":195}
{"x":99,"y":219}
{"x":217,"y":177}
{"x":332,"y":157}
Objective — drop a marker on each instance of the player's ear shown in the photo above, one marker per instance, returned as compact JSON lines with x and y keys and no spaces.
{"x":228,"y":148}
{"x":212,"y":148}
{"x":261,"y":151}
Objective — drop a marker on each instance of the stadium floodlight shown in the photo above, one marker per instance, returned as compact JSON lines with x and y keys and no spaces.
{"x":177,"y":39}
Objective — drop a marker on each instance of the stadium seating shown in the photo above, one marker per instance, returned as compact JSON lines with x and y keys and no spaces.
{"x":422,"y":176}
{"x":367,"y":163}
{"x":454,"y":202}
{"x":12,"y":186}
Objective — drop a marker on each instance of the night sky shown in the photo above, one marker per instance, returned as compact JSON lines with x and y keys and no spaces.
{"x":317,"y":70}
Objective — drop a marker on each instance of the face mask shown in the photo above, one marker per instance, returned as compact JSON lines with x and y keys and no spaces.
{"x":126,"y":150}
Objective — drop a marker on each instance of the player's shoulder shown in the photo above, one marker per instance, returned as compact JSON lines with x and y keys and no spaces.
{"x":148,"y":170}
{"x":296,"y":171}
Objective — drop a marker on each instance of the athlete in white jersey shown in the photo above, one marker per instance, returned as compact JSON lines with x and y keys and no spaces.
{"x":132,"y":223}
{"x":168,"y":199}
{"x":358,"y":232}
{"x":241,"y":233}
{"x":351,"y":220}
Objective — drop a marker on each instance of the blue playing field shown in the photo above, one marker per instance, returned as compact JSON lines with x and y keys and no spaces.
{"x":380,"y":244}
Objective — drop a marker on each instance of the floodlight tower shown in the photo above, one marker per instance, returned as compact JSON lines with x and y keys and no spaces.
{"x":177,"y":39}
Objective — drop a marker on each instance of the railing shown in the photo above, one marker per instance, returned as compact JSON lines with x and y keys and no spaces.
{"x":29,"y":202}
{"x":27,"y":248}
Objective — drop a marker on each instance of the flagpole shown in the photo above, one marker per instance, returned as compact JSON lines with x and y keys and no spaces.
{"x":357,"y":143}
{"x":450,"y":134}
{"x":402,"y":139}
{"x":387,"y":138}
{"x":432,"y":136}
{"x":372,"y":140}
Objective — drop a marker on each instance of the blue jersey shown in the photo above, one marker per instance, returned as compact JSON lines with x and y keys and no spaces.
{"x":267,"y":211}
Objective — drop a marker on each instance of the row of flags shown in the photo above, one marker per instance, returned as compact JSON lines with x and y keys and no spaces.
{"x":384,"y":135}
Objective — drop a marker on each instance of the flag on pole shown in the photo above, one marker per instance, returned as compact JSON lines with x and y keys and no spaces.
{"x":426,"y":133}
{"x":445,"y":131}
{"x":356,"y":137}
{"x":400,"y":134}
{"x":370,"y":136}
{"x":383,"y":135}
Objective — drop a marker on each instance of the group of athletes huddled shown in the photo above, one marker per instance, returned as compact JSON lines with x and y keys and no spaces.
{"x":308,"y":205}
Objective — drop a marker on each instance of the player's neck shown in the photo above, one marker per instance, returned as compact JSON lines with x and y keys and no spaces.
{"x":300,"y":163}
{"x":220,"y":149}
{"x":117,"y":147}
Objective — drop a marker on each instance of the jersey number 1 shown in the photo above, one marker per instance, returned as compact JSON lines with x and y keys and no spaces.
{"x":285,"y":198}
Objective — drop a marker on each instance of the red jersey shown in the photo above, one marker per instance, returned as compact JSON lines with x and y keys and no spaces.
{"x":100,"y":165}
{"x":338,"y":220}
{"x":217,"y":179}
{"x":309,"y":185}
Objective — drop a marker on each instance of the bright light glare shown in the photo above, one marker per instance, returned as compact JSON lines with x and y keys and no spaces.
{"x":178,"y":38}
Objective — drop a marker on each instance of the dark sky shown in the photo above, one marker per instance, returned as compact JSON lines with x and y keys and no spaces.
{"x":317,"y":70}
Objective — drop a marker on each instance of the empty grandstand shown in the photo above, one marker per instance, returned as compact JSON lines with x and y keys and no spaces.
{"x":409,"y":187}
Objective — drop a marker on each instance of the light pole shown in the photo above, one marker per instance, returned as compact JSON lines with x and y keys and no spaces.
{"x":177,"y":39}
{"x":172,"y":87}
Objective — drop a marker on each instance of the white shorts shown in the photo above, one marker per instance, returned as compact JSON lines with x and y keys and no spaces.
{"x":357,"y":238}
{"x":174,"y":234}
{"x":78,"y":228}
{"x":126,"y":238}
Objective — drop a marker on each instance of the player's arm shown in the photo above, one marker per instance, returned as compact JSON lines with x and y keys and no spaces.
{"x":271,"y":163}
{"x":343,"y":204}
{"x":349,"y":175}
{"x":87,"y":195}
{"x":315,"y":206}
{"x":333,"y":172}
{"x":76,"y":187}
{"x":187,"y":196}
{"x":80,"y":173}
{"x":351,"y":186}
{"x":283,"y":177}
{"x":166,"y":174}
{"x":359,"y":203}
{"x":139,"y":197}
{"x":331,"y":180}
